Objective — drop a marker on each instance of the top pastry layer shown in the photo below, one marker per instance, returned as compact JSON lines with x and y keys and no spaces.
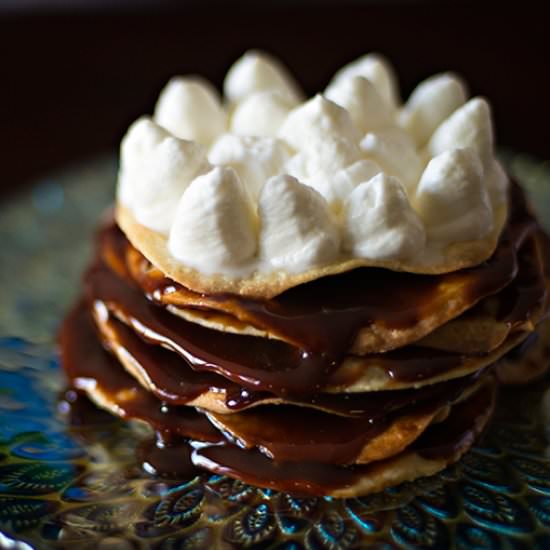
{"x":266,"y":191}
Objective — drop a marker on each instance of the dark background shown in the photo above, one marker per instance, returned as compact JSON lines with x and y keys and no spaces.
{"x":75,"y":74}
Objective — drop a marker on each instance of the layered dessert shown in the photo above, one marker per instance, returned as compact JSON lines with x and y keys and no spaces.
{"x":318,"y":295}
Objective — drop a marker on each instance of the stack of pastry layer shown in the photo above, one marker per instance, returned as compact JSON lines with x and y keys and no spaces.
{"x":293,"y":363}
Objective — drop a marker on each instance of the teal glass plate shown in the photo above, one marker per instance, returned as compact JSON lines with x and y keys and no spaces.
{"x":65,"y":487}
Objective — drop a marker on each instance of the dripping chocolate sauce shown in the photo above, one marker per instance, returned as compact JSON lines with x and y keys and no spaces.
{"x":292,"y":434}
{"x":257,"y":363}
{"x":174,"y":382}
{"x":442,"y":441}
{"x":288,"y":434}
{"x":87,"y":363}
{"x":439,"y":442}
{"x":173,"y":461}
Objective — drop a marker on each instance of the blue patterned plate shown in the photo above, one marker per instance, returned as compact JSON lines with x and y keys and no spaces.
{"x":62,"y":486}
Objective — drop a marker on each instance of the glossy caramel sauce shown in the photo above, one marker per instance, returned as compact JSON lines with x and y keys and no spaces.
{"x":288,"y":434}
{"x":168,"y":375}
{"x":167,"y":460}
{"x":440,"y":441}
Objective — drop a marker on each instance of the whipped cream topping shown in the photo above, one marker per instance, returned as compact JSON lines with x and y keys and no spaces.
{"x":266,"y":181}
{"x":254,"y":158}
{"x":214,"y":224}
{"x":297,"y":227}
{"x":452,"y":199}
{"x":394,"y":151}
{"x":360,"y":98}
{"x":258,"y":71}
{"x":430,"y":104}
{"x":381,"y":222}
{"x":375,"y":68}
{"x":155,"y":169}
{"x":190,"y":108}
{"x":261,"y":113}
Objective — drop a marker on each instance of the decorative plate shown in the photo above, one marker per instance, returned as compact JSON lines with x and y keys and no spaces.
{"x":63,"y":486}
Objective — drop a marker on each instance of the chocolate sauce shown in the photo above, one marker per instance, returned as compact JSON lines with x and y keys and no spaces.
{"x":172,"y":461}
{"x":373,"y":405}
{"x":80,"y":411}
{"x":460,"y":428}
{"x":289,"y":434}
{"x":258,"y":363}
{"x":308,"y":478}
{"x":415,"y":363}
{"x":528,"y":291}
{"x":87,"y":364}
{"x":168,"y":377}
{"x":172,"y":380}
{"x":456,"y":432}
{"x":284,"y":432}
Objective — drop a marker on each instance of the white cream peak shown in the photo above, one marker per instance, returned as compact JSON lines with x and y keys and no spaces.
{"x":297,"y":230}
{"x":258,"y":71}
{"x":451,"y":198}
{"x":155,"y":169}
{"x":317,"y":164}
{"x":316,"y":121}
{"x":395,"y":152}
{"x":348,"y":178}
{"x":214,"y":229}
{"x":255,"y":159}
{"x":368,"y":111}
{"x":430,"y":103}
{"x":261,"y":114}
{"x":190,"y":108}
{"x":469,"y":126}
{"x":380,"y":223}
{"x":378,"y":70}
{"x":336,"y":187}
